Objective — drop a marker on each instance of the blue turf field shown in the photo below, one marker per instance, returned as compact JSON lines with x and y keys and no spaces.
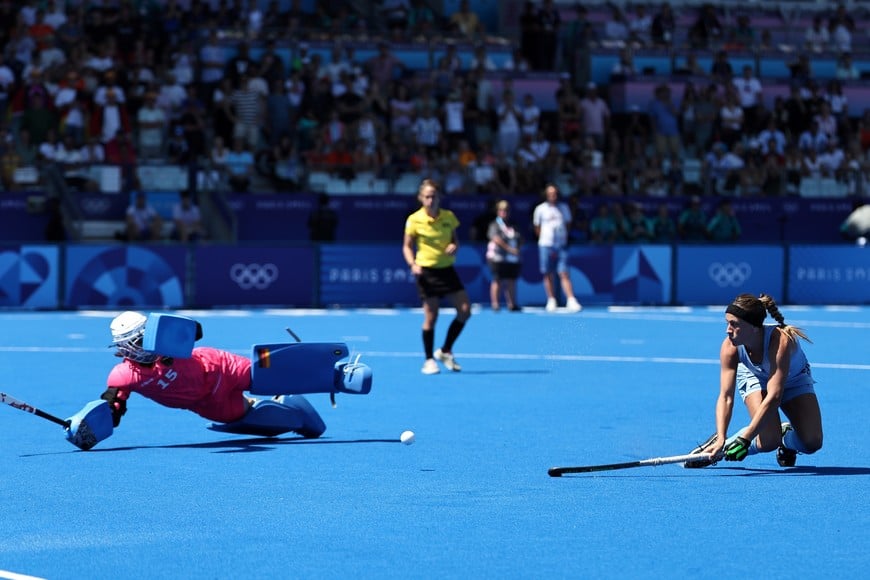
{"x":166,"y":498}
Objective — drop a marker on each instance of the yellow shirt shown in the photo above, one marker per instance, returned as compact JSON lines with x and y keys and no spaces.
{"x":432,"y":237}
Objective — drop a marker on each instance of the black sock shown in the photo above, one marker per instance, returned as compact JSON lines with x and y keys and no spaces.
{"x":429,"y":342}
{"x":452,"y":334}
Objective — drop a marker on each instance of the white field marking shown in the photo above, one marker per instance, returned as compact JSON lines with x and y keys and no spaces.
{"x":663,"y":315}
{"x":682,"y":309}
{"x":7,"y":575}
{"x":601,"y":358}
{"x":479,"y":356}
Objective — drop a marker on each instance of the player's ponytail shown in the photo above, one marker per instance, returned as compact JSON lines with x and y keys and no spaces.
{"x":793,"y":332}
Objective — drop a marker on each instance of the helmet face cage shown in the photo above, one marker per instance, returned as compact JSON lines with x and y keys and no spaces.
{"x":127,"y":332}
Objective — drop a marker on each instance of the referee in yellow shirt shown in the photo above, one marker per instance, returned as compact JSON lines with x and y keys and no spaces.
{"x":433,"y":231}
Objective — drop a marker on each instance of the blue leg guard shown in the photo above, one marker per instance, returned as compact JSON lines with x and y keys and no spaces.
{"x":353,"y":377}
{"x":270,"y":418}
{"x":90,"y":425}
{"x":305,"y":368}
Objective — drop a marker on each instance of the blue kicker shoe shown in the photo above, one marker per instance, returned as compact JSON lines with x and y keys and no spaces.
{"x":702,"y":448}
{"x":784,"y":456}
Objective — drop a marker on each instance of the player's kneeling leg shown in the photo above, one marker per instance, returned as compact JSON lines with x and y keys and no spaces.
{"x":90,"y":425}
{"x":270,"y":418}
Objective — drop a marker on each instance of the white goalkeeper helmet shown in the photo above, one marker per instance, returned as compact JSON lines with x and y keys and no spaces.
{"x":128,"y":328}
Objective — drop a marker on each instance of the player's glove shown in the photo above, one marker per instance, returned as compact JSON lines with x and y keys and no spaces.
{"x":737,"y":449}
{"x":117,"y":405}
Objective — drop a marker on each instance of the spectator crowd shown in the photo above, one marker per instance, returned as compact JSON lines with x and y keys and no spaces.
{"x":236,"y":92}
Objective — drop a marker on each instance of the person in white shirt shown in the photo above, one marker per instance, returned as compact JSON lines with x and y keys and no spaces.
{"x":811,"y":163}
{"x":832,"y":160}
{"x":212,"y":60}
{"x":749,"y":94}
{"x":595,"y":115}
{"x":143,"y":221}
{"x":530,"y":115}
{"x":481,"y":58}
{"x":841,"y":35}
{"x":186,"y":218}
{"x":427,"y":129}
{"x":816,"y":37}
{"x":721,"y":167}
{"x":731,"y":119}
{"x":813,"y":138}
{"x":55,"y":16}
{"x":454,"y":118}
{"x":552,"y":221}
{"x":826,"y":120}
{"x":774,"y":136}
{"x":508,"y":125}
{"x":153,"y":127}
{"x":616,"y":28}
{"x":640,"y":25}
{"x":109,"y":84}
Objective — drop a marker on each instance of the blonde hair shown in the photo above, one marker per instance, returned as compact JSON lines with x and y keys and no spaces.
{"x":428,"y":183}
{"x":765,"y":304}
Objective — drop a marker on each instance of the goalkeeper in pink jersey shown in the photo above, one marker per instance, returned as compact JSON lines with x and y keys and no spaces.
{"x":214,"y":383}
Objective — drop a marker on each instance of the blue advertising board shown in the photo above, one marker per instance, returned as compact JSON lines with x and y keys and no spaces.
{"x":603,"y":275}
{"x":29,"y":276}
{"x":376,"y":275}
{"x":269,"y":217}
{"x":380,"y":218}
{"x":716,"y":274}
{"x":125,"y":276}
{"x":829,"y":275}
{"x":254,"y":276}
{"x":19,"y":222}
{"x":371,"y":275}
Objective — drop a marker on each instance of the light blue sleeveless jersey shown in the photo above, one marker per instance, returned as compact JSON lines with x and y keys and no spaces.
{"x":798,"y":372}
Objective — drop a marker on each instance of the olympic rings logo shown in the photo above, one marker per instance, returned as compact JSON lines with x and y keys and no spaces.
{"x":729,"y":273}
{"x":256,"y":276}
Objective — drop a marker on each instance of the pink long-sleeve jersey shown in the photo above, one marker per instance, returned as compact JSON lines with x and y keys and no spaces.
{"x":211,"y":383}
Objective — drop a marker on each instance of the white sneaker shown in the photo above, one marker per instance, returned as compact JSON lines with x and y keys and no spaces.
{"x":573,"y":305}
{"x":551,"y":305}
{"x":448,"y":360}
{"x":430,"y":367}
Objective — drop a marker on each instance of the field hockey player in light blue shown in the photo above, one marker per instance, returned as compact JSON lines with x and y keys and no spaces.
{"x":766,"y":365}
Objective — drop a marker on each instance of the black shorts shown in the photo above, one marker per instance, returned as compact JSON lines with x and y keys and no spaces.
{"x":504,"y":270}
{"x":438,"y":282}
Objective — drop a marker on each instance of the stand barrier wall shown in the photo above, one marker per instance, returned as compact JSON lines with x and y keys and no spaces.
{"x":115,"y":276}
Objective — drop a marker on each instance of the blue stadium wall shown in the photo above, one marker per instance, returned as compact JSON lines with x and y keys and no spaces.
{"x":115,"y":276}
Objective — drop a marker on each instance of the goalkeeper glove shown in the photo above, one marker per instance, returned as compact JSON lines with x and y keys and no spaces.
{"x":737,"y":450}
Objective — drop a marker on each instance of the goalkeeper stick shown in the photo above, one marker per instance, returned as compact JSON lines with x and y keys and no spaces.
{"x":13,"y":402}
{"x":560,"y":471}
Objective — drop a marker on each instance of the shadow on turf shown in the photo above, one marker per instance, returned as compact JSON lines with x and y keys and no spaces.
{"x":802,"y":470}
{"x":746,"y":472}
{"x":247,"y":445}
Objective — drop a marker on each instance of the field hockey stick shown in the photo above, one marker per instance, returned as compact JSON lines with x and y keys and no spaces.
{"x":13,"y":402}
{"x":560,"y":471}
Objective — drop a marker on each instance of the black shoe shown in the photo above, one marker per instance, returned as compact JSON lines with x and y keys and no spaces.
{"x":702,"y":448}
{"x":784,"y":456}
{"x":516,"y":308}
